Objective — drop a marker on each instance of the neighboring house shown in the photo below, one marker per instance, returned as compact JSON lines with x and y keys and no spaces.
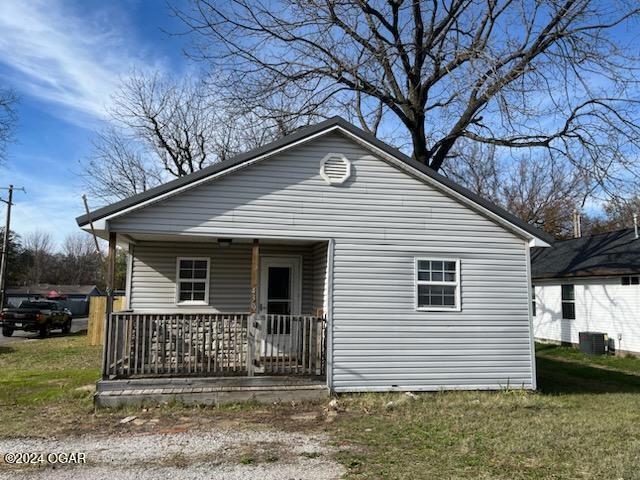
{"x":365,"y":267}
{"x":590,"y":283}
{"x":74,"y":297}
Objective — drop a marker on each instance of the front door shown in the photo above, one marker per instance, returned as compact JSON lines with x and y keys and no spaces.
{"x":279,"y":295}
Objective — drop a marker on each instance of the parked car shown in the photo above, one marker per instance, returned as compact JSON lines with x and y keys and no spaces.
{"x":36,"y":316}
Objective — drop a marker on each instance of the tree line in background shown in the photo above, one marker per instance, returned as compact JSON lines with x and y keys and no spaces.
{"x":533,"y":105}
{"x":34,"y":259}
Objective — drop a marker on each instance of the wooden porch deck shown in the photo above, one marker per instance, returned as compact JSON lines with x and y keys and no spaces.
{"x":210,"y":391}
{"x":208,"y":358}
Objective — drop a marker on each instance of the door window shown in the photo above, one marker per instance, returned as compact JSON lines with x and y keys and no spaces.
{"x":279,"y":291}
{"x":279,"y":299}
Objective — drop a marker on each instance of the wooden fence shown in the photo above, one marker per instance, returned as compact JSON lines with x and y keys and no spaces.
{"x":97,"y":312}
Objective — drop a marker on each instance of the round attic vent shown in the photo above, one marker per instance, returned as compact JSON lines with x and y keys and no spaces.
{"x":335,"y":168}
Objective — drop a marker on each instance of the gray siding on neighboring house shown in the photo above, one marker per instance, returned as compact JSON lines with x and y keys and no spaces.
{"x":381,"y":218}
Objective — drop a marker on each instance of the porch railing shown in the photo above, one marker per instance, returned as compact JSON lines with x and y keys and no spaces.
{"x":161,"y":344}
{"x":292,"y":344}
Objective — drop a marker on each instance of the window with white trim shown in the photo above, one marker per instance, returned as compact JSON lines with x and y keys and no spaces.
{"x":533,"y":300}
{"x":192,"y":280}
{"x":568,"y":302}
{"x":437,"y":284}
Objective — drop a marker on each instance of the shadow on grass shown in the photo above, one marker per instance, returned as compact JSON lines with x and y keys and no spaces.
{"x":4,"y":350}
{"x":543,"y":347}
{"x":53,"y":334}
{"x":79,"y":333}
{"x":556,"y":376}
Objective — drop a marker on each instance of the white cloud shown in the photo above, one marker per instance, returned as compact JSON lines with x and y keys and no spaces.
{"x":61,"y":56}
{"x":46,"y":205}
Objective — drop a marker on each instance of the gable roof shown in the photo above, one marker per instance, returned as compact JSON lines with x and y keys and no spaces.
{"x":334,"y":123}
{"x":611,"y":253}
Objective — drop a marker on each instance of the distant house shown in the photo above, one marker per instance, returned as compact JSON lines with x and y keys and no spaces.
{"x":328,"y":254}
{"x":74,"y":297}
{"x":590,"y":283}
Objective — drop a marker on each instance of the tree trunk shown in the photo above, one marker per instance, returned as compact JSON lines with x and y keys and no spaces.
{"x":420,"y":151}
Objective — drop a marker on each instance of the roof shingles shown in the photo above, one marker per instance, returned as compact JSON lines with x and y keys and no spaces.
{"x":611,"y":253}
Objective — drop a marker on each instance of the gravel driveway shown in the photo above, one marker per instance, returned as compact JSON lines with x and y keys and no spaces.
{"x":223,"y":454}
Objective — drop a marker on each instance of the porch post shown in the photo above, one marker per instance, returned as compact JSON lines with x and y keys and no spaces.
{"x":109,"y":281}
{"x":252,"y":325}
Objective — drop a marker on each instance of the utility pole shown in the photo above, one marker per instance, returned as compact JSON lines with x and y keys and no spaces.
{"x":5,"y":244}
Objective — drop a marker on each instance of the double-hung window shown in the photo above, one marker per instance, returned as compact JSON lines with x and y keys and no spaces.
{"x":437,"y":284}
{"x":568,"y":302}
{"x":192,"y":281}
{"x":533,"y":300}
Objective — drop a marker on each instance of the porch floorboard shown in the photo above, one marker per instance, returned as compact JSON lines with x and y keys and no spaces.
{"x":209,"y":391}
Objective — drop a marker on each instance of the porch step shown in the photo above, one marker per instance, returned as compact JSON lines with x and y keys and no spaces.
{"x":209,"y":391}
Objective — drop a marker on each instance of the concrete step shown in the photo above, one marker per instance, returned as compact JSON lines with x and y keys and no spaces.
{"x":209,"y":391}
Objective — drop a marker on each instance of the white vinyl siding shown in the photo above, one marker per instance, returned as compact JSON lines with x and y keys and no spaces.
{"x":153,"y":279}
{"x":601,"y":305}
{"x":319,"y":300}
{"x":381,"y":219}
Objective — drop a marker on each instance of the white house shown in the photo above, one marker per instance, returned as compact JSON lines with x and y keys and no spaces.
{"x":592,"y":284}
{"x":327,"y":254}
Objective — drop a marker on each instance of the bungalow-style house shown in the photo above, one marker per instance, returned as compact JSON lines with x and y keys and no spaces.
{"x":327,"y":257}
{"x":74,"y":297}
{"x":589,"y":284}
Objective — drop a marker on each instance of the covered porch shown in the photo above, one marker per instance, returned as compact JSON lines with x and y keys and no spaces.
{"x":218,"y":318}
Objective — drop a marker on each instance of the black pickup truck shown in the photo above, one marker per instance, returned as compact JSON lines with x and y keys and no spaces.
{"x":35,"y":316}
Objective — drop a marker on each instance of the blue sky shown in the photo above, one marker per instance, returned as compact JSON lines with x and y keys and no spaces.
{"x":64,"y":59}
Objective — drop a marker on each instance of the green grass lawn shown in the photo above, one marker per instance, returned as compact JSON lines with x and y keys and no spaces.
{"x":624,"y":363}
{"x":583,"y":423}
{"x":46,"y":381}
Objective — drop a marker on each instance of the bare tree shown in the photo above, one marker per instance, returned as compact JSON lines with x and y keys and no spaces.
{"x":165,"y":128}
{"x":117,"y":168}
{"x":173,"y":119}
{"x":535,"y":189}
{"x":543,"y":194}
{"x":548,"y":75}
{"x":8,"y":100}
{"x":80,"y":263}
{"x":618,"y":214}
{"x":40,"y":248}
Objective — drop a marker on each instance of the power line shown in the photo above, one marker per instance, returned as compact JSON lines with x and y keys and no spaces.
{"x":5,"y":241}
